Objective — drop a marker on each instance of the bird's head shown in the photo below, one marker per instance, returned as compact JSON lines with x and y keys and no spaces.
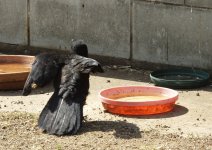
{"x":80,"y":48}
{"x":85,"y":65}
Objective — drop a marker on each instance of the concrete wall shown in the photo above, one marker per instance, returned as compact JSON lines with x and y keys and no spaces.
{"x":172,"y":35}
{"x":103,"y":24}
{"x":170,"y":32}
{"x":13,"y":21}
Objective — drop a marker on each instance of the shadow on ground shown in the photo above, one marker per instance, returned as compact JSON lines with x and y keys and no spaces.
{"x":127,"y":74}
{"x":46,"y":89}
{"x":122,"y":129}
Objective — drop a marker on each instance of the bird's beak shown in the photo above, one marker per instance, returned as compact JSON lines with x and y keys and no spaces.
{"x":98,"y":69}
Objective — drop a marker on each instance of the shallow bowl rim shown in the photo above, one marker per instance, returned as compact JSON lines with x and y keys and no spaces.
{"x":172,"y":99}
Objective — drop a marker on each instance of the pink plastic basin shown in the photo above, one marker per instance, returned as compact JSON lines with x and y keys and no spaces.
{"x":112,"y":100}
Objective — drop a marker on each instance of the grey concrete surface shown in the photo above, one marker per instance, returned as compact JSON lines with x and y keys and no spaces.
{"x":13,"y":21}
{"x":149,"y":33}
{"x":104,"y":25}
{"x":172,"y":35}
{"x":199,"y":3}
{"x":190,"y":117}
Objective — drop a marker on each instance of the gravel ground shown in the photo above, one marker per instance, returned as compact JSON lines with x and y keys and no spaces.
{"x":19,"y":131}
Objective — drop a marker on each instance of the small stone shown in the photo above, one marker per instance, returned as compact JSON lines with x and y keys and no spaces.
{"x":108,"y":81}
{"x":197,"y":94}
{"x":115,"y":67}
{"x":20,"y":102}
{"x":165,"y":126}
{"x":41,"y":92}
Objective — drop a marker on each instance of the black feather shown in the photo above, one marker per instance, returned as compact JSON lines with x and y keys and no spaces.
{"x":63,"y":113}
{"x":79,"y":47}
{"x":44,"y":69}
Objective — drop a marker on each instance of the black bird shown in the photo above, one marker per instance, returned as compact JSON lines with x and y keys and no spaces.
{"x":79,"y":47}
{"x":63,"y":113}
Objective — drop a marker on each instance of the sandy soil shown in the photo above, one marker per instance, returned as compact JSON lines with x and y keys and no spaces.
{"x":188,"y":126}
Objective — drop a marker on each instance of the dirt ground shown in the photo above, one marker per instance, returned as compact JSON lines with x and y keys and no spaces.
{"x":188,"y":126}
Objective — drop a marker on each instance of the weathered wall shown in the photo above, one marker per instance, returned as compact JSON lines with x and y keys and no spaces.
{"x":172,"y":35}
{"x":13,"y":21}
{"x":171,"y":32}
{"x":103,"y":24}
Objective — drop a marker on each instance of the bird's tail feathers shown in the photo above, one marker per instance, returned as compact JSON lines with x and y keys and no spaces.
{"x":60,"y":117}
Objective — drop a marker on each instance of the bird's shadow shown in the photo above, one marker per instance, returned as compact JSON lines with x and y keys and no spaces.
{"x":123,"y":130}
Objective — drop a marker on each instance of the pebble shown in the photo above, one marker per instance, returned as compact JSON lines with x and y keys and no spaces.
{"x":41,"y":92}
{"x":108,"y":81}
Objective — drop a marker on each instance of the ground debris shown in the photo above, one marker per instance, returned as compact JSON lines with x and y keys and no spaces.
{"x":17,"y":102}
{"x":20,"y":131}
{"x":126,"y":68}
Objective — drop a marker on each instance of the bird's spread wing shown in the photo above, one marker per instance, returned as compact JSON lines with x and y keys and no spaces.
{"x":64,"y":112}
{"x":44,"y":69}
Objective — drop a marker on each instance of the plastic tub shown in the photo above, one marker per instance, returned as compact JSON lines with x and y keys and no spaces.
{"x":180,"y":78}
{"x":112,"y":100}
{"x":14,"y":70}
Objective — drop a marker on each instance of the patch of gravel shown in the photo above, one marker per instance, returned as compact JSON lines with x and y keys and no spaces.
{"x":19,"y":131}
